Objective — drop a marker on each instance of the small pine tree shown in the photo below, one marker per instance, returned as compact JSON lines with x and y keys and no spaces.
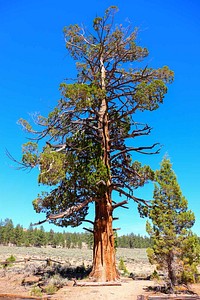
{"x":175,"y":248}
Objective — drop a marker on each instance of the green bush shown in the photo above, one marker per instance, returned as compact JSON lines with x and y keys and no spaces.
{"x":36,"y":291}
{"x":122,"y":267}
{"x":190,"y":274}
{"x":9,"y":261}
{"x":155,"y":275}
{"x":51,"y":289}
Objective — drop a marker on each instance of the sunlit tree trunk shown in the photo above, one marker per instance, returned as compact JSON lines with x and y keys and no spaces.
{"x":104,"y":263}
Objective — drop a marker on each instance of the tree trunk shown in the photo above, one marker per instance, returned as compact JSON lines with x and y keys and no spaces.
{"x":171,"y":270}
{"x":104,"y":261}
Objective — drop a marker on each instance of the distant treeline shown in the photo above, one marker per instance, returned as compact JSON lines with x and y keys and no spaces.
{"x":19,"y":236}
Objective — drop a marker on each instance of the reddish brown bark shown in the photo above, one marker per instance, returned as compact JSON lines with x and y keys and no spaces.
{"x":104,"y":261}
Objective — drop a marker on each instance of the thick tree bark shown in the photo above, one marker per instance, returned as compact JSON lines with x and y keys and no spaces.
{"x":104,"y":262}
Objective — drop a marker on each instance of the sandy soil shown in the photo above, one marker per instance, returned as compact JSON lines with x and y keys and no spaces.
{"x":129,"y":289}
{"x":11,"y":280}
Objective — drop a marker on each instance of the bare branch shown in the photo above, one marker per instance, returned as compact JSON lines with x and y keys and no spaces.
{"x":139,"y":149}
{"x":40,"y":222}
{"x":87,"y":229}
{"x":66,"y":213}
{"x":137,"y":200}
{"x":139,"y":132}
{"x":21,"y":164}
{"x":119,"y":204}
{"x":89,"y":221}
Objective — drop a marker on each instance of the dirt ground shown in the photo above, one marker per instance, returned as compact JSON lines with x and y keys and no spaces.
{"x":135,"y":260}
{"x":129,"y":290}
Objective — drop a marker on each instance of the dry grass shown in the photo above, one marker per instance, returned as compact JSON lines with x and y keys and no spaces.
{"x":11,"y":280}
{"x":64,"y":253}
{"x":135,"y":259}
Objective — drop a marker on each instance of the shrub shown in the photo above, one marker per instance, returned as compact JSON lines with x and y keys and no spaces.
{"x":9,"y":261}
{"x":36,"y":291}
{"x":57,"y":281}
{"x":155,"y":275}
{"x":122,"y":267}
{"x":51,"y":289}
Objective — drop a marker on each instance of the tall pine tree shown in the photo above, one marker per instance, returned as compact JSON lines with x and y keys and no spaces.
{"x":175,"y":249}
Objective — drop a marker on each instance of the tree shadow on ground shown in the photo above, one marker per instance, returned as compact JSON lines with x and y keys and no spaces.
{"x":79,"y":272}
{"x":182,"y":289}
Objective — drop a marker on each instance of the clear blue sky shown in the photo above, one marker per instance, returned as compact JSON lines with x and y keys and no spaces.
{"x":34,"y":61}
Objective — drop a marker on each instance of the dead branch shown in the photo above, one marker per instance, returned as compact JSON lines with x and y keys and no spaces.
{"x":25,"y":260}
{"x":89,"y":221}
{"x":137,"y":200}
{"x":20,"y":164}
{"x":139,"y":132}
{"x":66,"y":213}
{"x":139,"y":150}
{"x":119,"y":204}
{"x":89,"y":230}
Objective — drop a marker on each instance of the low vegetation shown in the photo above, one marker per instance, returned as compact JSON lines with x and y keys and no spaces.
{"x":67,"y":265}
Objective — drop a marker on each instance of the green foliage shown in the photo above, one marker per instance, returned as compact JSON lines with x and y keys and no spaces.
{"x":190,"y":259}
{"x":30,"y":154}
{"x":39,"y":237}
{"x":52,"y":168}
{"x":133,"y":241}
{"x":89,"y":240}
{"x":51,"y":289}
{"x":82,"y":95}
{"x":150,"y":253}
{"x":116,"y":244}
{"x":150,"y":94}
{"x":36,"y":291}
{"x":18,"y":235}
{"x":7,"y":231}
{"x":175,"y":249}
{"x":25,"y":125}
{"x":122,"y":267}
{"x":155,"y":275}
{"x":11,"y":259}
